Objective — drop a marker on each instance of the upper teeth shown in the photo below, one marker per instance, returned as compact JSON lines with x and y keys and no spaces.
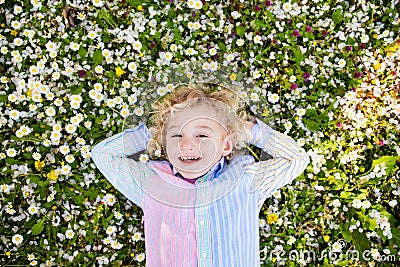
{"x":186,"y":158}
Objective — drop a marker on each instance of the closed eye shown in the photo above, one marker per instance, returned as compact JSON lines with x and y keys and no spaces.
{"x":176,"y":135}
{"x":202,"y":135}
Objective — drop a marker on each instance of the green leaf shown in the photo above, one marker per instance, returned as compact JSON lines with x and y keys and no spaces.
{"x":34,"y":178}
{"x":76,"y":89}
{"x":38,"y":228}
{"x":298,"y":55}
{"x":361,"y":241}
{"x":135,"y":3}
{"x":395,"y":233}
{"x":177,"y":34}
{"x":345,"y":194}
{"x":222,"y":46}
{"x":310,"y":112}
{"x":43,"y":183}
{"x":301,"y":210}
{"x":82,"y":52}
{"x":337,"y":16}
{"x":97,"y":57}
{"x":3,"y":98}
{"x":79,"y":199}
{"x":371,"y":224}
{"x":10,"y":161}
{"x":259,"y":24}
{"x":345,"y":263}
{"x":330,"y":164}
{"x":390,"y":162}
{"x":345,"y":232}
{"x":322,"y":117}
{"x":240,"y":30}
{"x":313,"y":126}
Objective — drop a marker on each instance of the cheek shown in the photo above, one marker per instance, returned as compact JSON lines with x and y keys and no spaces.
{"x":170,"y":146}
{"x":208,"y":147}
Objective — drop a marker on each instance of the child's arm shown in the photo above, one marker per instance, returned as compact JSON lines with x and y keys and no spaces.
{"x":288,"y":160}
{"x":111,"y":158}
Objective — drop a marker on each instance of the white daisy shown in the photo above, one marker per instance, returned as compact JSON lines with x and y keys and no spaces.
{"x":137,"y":45}
{"x":69,"y":234}
{"x":109,"y":200}
{"x":116,"y":245}
{"x":140,"y":257}
{"x":11,"y":152}
{"x":144,"y":158}
{"x":97,"y":3}
{"x":287,"y":6}
{"x":168,"y":56}
{"x":17,"y":239}
{"x":33,"y":210}
{"x":132,"y":66}
{"x":273,"y":98}
{"x":69,"y":158}
{"x":341,"y":63}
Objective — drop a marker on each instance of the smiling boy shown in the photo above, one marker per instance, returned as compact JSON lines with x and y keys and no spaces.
{"x":196,"y":141}
{"x":201,"y":197}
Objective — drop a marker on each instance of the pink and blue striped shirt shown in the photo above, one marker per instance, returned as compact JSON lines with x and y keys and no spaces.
{"x":213,"y":222}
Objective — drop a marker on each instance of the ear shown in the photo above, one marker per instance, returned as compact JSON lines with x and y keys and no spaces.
{"x":228,"y":146}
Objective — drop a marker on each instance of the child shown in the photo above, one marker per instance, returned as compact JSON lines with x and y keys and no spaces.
{"x":202,"y":198}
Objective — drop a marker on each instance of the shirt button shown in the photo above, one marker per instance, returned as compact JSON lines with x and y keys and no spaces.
{"x":202,"y":222}
{"x":204,"y":255}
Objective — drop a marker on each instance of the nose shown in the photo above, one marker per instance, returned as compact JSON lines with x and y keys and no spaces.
{"x":186,"y":143}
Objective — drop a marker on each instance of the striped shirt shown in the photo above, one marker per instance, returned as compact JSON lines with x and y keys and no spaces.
{"x":213,"y":222}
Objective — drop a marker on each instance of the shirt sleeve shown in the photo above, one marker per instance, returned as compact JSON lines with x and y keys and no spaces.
{"x":288,"y":161}
{"x":111,"y":158}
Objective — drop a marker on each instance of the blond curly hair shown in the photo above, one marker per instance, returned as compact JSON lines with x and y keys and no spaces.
{"x":224,"y":101}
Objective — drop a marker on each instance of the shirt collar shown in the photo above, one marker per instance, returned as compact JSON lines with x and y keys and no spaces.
{"x":214,"y":172}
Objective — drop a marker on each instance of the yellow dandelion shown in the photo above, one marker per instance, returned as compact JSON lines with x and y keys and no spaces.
{"x":119,"y":71}
{"x":265,"y":113}
{"x":272,"y":218}
{"x":393,"y":48}
{"x":140,"y":8}
{"x":39,"y":165}
{"x":377,"y":65}
{"x":52,"y":175}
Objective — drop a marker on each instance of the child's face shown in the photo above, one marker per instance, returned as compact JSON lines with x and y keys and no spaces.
{"x":196,"y":140}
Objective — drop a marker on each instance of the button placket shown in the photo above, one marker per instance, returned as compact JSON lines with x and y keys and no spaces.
{"x":202,"y":225}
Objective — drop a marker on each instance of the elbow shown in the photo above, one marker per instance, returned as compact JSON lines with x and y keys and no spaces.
{"x":304,"y":161}
{"x":96,"y":152}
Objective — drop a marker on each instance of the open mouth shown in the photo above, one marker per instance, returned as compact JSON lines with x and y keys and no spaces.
{"x":189,"y":158}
